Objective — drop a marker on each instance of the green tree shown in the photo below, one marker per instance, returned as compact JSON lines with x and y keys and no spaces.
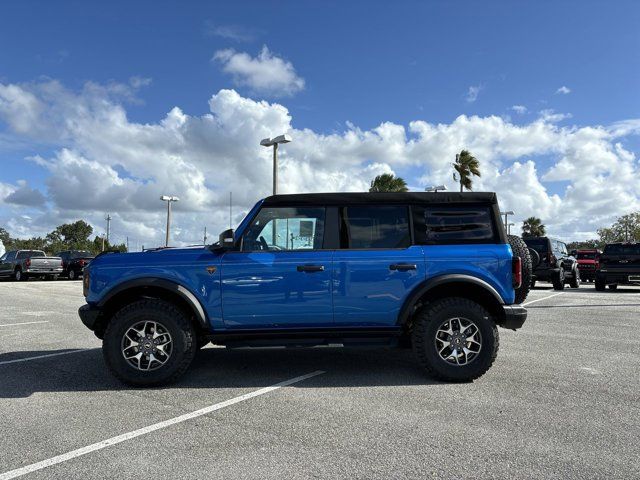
{"x":96,"y":246}
{"x":387,"y":182}
{"x":624,"y":229}
{"x":465,"y":166}
{"x":533,"y":227}
{"x":4,"y":236}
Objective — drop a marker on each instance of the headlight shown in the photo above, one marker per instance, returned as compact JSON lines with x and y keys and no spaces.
{"x":85,"y":282}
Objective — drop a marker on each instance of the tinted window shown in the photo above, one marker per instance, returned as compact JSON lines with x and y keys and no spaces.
{"x":377,"y":226}
{"x":623,"y":249}
{"x":80,"y":254}
{"x":540,"y":245}
{"x":276,"y":229}
{"x":586,"y":256}
{"x":458,"y":224}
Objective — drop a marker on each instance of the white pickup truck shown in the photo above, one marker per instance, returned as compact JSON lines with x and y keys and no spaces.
{"x":22,"y":264}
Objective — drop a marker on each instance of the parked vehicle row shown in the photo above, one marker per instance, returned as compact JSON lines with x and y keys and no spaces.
{"x":618,"y":264}
{"x":20,"y":265}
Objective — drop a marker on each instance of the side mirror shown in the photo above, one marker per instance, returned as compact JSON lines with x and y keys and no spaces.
{"x":227,"y":239}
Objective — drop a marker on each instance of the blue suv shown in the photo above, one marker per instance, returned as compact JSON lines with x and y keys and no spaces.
{"x":431,"y":271}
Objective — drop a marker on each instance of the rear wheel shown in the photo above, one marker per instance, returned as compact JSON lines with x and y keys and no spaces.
{"x":149,"y":342}
{"x":558,"y":280}
{"x":455,"y":339}
{"x":575,"y":281}
{"x":19,"y":276}
{"x":600,"y":285}
{"x":613,"y":286}
{"x":520,"y":249}
{"x":72,"y":275}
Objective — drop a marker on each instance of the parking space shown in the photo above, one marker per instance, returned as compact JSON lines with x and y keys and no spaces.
{"x":562,"y":401}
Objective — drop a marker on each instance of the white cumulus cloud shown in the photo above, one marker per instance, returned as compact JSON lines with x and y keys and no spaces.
{"x":265,"y":74}
{"x":563,"y":90}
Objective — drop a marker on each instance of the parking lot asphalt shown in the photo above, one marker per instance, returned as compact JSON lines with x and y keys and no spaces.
{"x":561,"y":401}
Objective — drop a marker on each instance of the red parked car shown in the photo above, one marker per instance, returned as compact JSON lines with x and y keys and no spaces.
{"x":588,"y":263}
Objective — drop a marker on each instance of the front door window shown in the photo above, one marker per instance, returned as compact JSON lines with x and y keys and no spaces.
{"x":276,"y":229}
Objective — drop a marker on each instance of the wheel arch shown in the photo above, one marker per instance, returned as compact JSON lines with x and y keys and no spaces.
{"x":453,"y":285}
{"x":151,"y":287}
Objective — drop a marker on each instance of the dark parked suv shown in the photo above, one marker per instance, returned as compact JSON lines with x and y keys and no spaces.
{"x":434,"y":271}
{"x":74,"y":261}
{"x":552,"y":263}
{"x":619,"y":265}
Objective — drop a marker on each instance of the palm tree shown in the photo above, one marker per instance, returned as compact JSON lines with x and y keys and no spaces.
{"x":465,"y":166}
{"x":387,"y":182}
{"x":533,"y":227}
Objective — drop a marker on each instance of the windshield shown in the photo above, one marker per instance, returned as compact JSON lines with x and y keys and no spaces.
{"x":540,"y":245}
{"x":587,"y":256}
{"x":80,"y":254}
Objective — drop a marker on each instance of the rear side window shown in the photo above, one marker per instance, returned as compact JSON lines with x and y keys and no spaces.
{"x":451,"y":224}
{"x":618,"y":249}
{"x":377,"y":227}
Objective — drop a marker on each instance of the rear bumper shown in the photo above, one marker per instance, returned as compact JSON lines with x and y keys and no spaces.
{"x":623,"y":278}
{"x":89,"y":315}
{"x":43,"y":271}
{"x":514,"y":316}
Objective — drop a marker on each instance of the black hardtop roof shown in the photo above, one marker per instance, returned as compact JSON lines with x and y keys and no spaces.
{"x":367,"y":198}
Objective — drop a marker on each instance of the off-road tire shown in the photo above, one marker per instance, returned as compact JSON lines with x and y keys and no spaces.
{"x":575,"y":281}
{"x":177,"y":324}
{"x":535,"y":257}
{"x":600,"y":285}
{"x":558,"y":280}
{"x":520,"y":249}
{"x":613,"y":286}
{"x":425,"y":325}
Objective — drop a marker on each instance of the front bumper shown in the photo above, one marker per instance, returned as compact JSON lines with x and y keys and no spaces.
{"x":514,"y":316}
{"x":90,"y":316}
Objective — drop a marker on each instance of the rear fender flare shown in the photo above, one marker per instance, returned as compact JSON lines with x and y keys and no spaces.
{"x":422,"y":289}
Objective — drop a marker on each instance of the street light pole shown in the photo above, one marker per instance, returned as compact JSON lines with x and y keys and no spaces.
{"x":169,"y":200}
{"x":274,"y":142}
{"x":506,"y":218}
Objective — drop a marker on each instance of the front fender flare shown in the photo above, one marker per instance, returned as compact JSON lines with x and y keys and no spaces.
{"x":424,"y":287}
{"x":171,"y":286}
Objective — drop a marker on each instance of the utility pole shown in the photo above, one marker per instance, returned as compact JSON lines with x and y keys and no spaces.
{"x":230,"y":209}
{"x":204,"y":241}
{"x":108,"y":219}
{"x":127,"y":244}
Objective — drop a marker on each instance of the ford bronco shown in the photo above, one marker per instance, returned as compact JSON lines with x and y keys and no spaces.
{"x":431,"y":271}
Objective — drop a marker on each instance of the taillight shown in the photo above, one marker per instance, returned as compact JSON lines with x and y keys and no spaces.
{"x":27,"y":262}
{"x":517,"y":272}
{"x":81,"y":262}
{"x":551,"y":258}
{"x":85,"y":283}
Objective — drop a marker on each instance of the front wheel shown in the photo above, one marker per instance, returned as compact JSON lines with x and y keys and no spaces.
{"x":149,"y":342}
{"x":613,"y":286}
{"x":72,"y":275}
{"x":19,"y":276}
{"x":600,"y":285}
{"x":455,"y":339}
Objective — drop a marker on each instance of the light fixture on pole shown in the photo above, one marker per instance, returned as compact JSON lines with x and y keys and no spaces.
{"x":169,"y":200}
{"x":506,"y":217}
{"x":509,"y":225}
{"x":274,"y":142}
{"x":435,"y":188}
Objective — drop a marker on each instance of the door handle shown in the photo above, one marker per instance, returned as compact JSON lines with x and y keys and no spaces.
{"x":403,"y":267}
{"x":310,"y":268}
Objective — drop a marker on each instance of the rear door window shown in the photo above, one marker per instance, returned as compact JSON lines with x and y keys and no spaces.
{"x":376,"y":226}
{"x":621,"y":249}
{"x":453,"y":224}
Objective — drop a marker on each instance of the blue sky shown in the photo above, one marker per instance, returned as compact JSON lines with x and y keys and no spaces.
{"x":362,"y":64}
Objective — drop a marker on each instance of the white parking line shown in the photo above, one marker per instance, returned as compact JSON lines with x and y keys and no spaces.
{"x":23,"y":323}
{"x":17,"y":360}
{"x":540,"y":299}
{"x":151,"y":428}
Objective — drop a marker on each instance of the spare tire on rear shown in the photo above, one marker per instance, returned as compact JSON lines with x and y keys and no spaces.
{"x":520,"y":249}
